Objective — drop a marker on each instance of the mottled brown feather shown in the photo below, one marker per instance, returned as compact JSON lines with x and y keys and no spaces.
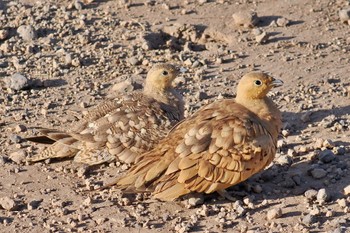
{"x":125,"y":126}
{"x":221,"y":145}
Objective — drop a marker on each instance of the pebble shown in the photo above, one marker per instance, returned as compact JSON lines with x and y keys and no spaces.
{"x":18,"y":156}
{"x":326,"y":156}
{"x":262,"y":38}
{"x":274,"y":213}
{"x":201,"y":95}
{"x":284,"y":160}
{"x":16,"y":82}
{"x":81,"y":172}
{"x":257,"y":31}
{"x":257,"y":188}
{"x":195,"y":201}
{"x":285,"y":133}
{"x":76,"y":62}
{"x":318,"y":173}
{"x":282,"y":22}
{"x":20,"y":128}
{"x":344,"y":15}
{"x":8,"y":203}
{"x":311,"y":194}
{"x":308,"y":219}
{"x":305,"y":117}
{"x":323,"y":196}
{"x":342,"y":202}
{"x":339,"y":150}
{"x":347,"y":190}
{"x":328,"y":144}
{"x":27,"y":32}
{"x":134,"y":61}
{"x":247,"y":19}
{"x":34,"y":204}
{"x":4,"y":34}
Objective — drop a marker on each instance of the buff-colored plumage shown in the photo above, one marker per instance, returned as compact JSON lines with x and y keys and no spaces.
{"x":222,"y":144}
{"x":123,"y":127}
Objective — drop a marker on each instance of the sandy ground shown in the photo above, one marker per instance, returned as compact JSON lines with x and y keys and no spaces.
{"x":78,"y":51}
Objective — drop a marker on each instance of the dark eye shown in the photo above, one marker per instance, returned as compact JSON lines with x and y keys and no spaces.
{"x":257,"y":82}
{"x":165,"y":73}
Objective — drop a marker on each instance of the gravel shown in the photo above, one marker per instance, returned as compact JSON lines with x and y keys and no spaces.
{"x":68,"y":56}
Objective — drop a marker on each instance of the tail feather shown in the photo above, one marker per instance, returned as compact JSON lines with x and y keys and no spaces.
{"x":56,"y":150}
{"x":170,"y":194}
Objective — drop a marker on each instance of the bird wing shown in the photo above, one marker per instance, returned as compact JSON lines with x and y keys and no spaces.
{"x":128,"y":126}
{"x":219,"y":146}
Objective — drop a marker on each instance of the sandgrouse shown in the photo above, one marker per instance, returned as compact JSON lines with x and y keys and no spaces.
{"x":121,"y":128}
{"x":222,"y":144}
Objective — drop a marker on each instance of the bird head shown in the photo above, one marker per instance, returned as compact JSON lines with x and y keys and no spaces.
{"x":256,"y":85}
{"x":161,"y":76}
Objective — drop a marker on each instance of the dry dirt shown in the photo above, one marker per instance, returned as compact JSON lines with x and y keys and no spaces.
{"x":77,"y":51}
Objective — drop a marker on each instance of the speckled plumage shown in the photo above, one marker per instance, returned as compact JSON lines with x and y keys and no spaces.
{"x":123,"y":127}
{"x":222,"y":144}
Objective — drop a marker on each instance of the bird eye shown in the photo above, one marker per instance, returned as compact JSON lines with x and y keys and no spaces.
{"x":257,"y":82}
{"x":165,"y":73}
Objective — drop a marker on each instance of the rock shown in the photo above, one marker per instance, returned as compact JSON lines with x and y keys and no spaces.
{"x":201,"y":95}
{"x":323,"y":196}
{"x":195,"y":200}
{"x":20,"y":128}
{"x":239,"y":208}
{"x":291,"y":152}
{"x":262,"y":38}
{"x":247,"y":19}
{"x":68,"y":59}
{"x":344,"y":15}
{"x":18,"y":156}
{"x":134,"y":61}
{"x":4,"y":34}
{"x":326,"y":156}
{"x":342,"y":202}
{"x":274,"y":213}
{"x":318,"y":173}
{"x":328,"y":144}
{"x":318,"y":143}
{"x":8,"y":203}
{"x":76,"y":62}
{"x":15,"y":138}
{"x":305,"y":117}
{"x":33,"y":204}
{"x":284,"y":160}
{"x":257,"y":31}
{"x":347,"y":190}
{"x":27,"y":32}
{"x":311,"y":194}
{"x":78,"y":5}
{"x":3,"y":160}
{"x":339,"y":150}
{"x":16,"y":82}
{"x":257,"y":188}
{"x":308,"y":219}
{"x":282,"y":22}
{"x":285,"y":133}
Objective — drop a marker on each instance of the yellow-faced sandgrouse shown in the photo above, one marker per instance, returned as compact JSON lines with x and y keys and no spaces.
{"x":222,"y":144}
{"x":123,"y":127}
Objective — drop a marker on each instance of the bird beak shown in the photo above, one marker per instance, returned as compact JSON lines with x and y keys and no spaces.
{"x":276,"y":83}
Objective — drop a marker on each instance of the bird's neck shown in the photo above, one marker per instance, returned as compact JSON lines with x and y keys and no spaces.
{"x":166,"y":96}
{"x":265,"y":109}
{"x":154,"y":91}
